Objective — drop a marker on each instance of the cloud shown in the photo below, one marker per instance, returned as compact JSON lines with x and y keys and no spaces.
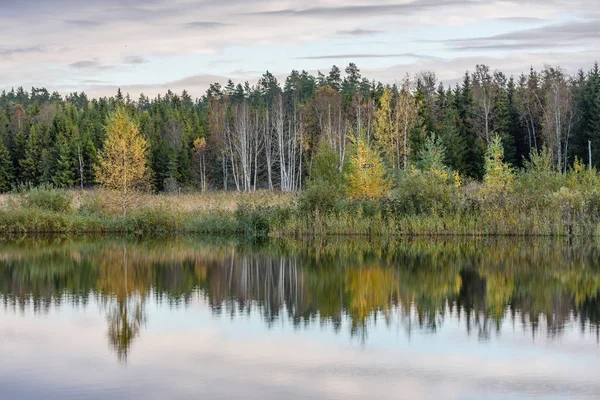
{"x":359,"y":32}
{"x":89,"y":64}
{"x":134,"y":60}
{"x":356,"y":56}
{"x":9,"y":51}
{"x":204,"y":25}
{"x":569,"y":34}
{"x":365,"y":10}
{"x":194,"y":84}
{"x":84,"y":23}
{"x":524,"y":20}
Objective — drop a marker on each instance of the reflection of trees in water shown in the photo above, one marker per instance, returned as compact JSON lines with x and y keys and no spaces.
{"x":416,"y":284}
{"x":125,"y":319}
{"x":126,"y":307}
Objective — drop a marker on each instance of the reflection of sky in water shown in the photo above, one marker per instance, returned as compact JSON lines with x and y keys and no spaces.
{"x":186,"y":351}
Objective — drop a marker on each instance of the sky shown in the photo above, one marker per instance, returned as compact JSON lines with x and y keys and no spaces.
{"x":155,"y":45}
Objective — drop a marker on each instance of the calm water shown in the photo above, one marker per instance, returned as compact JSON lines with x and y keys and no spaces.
{"x":333,"y":319}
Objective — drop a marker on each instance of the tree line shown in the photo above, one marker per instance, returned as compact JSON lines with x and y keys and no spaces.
{"x":266,"y":136}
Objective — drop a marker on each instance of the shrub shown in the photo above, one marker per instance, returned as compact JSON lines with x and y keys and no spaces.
{"x":420,"y":192}
{"x":432,"y":188}
{"x":47,"y":198}
{"x":253,"y":221}
{"x":327,"y":185}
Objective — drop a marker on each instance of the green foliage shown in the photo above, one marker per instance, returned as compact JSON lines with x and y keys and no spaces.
{"x":6,"y":168}
{"x":539,"y":176}
{"x":327,"y":185}
{"x":31,"y":163}
{"x":46,"y":197}
{"x":64,"y":176}
{"x":432,"y":188}
{"x":253,"y":221}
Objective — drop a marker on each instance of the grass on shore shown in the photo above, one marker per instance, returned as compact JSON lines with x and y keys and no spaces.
{"x":273,"y":214}
{"x":47,"y":210}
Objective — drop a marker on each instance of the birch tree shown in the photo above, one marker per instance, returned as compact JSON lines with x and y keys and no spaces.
{"x":406,"y":115}
{"x":558,"y":113}
{"x":483,"y":87}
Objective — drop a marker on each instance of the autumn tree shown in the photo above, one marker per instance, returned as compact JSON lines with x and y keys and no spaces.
{"x":383,"y":127}
{"x":367,"y":177}
{"x":123,"y":163}
{"x":499,"y":176}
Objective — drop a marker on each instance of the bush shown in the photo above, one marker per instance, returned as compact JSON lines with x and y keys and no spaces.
{"x":421,"y":192}
{"x":253,"y":221}
{"x":47,"y":198}
{"x":327,"y":185}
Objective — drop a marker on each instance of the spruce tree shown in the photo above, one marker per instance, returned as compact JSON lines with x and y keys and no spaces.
{"x":64,"y":175}
{"x":30,"y":164}
{"x":6,"y":168}
{"x":465,"y":105}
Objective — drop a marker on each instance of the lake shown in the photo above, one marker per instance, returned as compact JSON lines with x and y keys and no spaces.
{"x":424,"y":318}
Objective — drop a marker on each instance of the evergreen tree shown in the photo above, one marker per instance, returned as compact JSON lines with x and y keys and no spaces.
{"x":64,"y":176}
{"x":334,"y":79}
{"x":473,"y":159}
{"x":454,"y":143}
{"x":30,"y":164}
{"x":6,"y":167}
{"x":591,"y":116}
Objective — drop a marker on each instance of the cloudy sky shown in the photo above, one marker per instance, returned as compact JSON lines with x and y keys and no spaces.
{"x":154,"y":45}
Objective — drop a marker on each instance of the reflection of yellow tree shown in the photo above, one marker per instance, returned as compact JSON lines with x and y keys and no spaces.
{"x":126,"y":287}
{"x":499,"y":292}
{"x":369,"y":290}
{"x":125,"y":319}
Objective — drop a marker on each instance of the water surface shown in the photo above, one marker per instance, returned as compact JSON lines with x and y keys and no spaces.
{"x":96,"y":318}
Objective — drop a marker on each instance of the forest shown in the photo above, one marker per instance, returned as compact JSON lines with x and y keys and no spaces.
{"x":265,"y":136}
{"x":325,"y":154}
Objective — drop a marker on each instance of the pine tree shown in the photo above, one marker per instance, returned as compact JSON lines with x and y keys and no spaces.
{"x":454,"y":143}
{"x":334,"y":79}
{"x":30,"y":165}
{"x":591,"y":115}
{"x":64,"y":176}
{"x":473,"y":160}
{"x":6,"y":168}
{"x":500,"y":124}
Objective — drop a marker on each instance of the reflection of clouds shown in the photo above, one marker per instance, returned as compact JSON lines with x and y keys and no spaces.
{"x":54,"y":357}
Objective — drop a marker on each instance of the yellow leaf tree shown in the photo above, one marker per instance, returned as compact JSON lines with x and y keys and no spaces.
{"x":123,"y":163}
{"x":384,"y":127}
{"x":499,"y":176}
{"x":366,"y":178}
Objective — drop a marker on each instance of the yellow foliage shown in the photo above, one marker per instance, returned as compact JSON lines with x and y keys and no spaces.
{"x":122,"y":164}
{"x":367,"y":173}
{"x":499,"y":176}
{"x":200,"y":144}
{"x":457,"y":179}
